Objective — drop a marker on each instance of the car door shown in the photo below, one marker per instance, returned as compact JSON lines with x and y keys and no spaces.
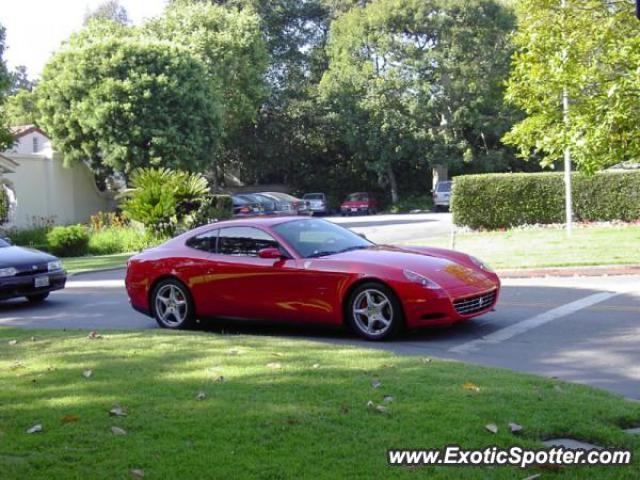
{"x":247,"y":286}
{"x":197,"y":268}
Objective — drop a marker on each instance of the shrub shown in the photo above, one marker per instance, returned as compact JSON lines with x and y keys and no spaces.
{"x":69,"y":241}
{"x":102,"y":220}
{"x":507,"y":200}
{"x":110,"y":240}
{"x":164,"y":200}
{"x":4,"y":205}
{"x":214,"y":207}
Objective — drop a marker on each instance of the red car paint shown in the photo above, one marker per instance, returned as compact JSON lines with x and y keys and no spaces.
{"x":360,"y":202}
{"x":309,"y":289}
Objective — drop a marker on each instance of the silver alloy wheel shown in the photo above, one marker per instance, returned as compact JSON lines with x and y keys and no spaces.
{"x":171,"y":305}
{"x":373,"y":312}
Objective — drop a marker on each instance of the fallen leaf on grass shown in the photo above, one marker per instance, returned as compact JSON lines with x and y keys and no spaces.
{"x":13,"y":342}
{"x":472,"y":387}
{"x":137,"y":472}
{"x":274,"y":365}
{"x":118,"y":431}
{"x":315,"y":365}
{"x":388,"y":365}
{"x":234,"y":351}
{"x":278,"y":354}
{"x":94,"y":335}
{"x":426,"y":360}
{"x":514,"y":427}
{"x":492,"y":427}
{"x":532,"y":477}
{"x":370,"y":404}
{"x":388,"y":399}
{"x":117,"y":411}
{"x":87,"y":373}
{"x":70,"y":418}
{"x":376,"y":384}
{"x":16,"y":365}
{"x":381,"y":408}
{"x":35,"y":429}
{"x":201,"y":396}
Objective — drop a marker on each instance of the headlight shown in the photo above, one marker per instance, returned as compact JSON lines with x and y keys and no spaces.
{"x":7,"y":272}
{"x":421,"y":279}
{"x":55,"y":265}
{"x":481,"y":264}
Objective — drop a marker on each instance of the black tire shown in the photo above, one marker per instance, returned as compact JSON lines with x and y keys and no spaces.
{"x":183,"y":316}
{"x":394,"y":312}
{"x":40,"y":297}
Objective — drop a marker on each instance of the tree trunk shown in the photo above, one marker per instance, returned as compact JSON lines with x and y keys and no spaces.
{"x":395,"y":198}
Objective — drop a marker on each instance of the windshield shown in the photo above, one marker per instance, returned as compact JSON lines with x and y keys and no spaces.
{"x":314,"y":196}
{"x":4,"y":243}
{"x":358,"y":197}
{"x":317,"y":238}
{"x":444,"y":187}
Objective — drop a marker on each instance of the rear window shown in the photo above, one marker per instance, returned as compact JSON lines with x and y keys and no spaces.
{"x":358,"y":197}
{"x":443,"y":187}
{"x":314,"y":196}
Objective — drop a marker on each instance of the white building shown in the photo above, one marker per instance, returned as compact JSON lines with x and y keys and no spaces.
{"x":44,"y":188}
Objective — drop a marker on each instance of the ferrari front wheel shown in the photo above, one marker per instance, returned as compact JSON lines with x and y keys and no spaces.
{"x":374,"y":312}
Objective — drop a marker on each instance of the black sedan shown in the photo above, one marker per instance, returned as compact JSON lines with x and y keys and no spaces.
{"x":29,"y":273}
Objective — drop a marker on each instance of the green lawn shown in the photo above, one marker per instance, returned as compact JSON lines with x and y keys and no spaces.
{"x":83,"y":264}
{"x":273,"y":409}
{"x":545,"y":247}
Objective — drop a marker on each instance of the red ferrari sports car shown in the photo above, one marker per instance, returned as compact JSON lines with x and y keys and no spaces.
{"x":306,"y":270}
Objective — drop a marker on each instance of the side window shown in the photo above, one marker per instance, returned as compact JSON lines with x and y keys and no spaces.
{"x":205,"y":241}
{"x":246,"y":241}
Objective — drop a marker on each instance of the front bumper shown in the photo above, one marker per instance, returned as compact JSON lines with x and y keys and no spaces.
{"x":445,"y":307}
{"x":23,"y":285}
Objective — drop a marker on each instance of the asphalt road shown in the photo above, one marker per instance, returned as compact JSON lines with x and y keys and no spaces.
{"x":578,"y":329}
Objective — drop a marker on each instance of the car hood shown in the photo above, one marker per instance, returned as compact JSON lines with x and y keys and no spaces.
{"x":446,"y":272}
{"x":23,"y":257}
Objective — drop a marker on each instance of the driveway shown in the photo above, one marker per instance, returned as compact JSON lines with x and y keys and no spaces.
{"x":578,"y":329}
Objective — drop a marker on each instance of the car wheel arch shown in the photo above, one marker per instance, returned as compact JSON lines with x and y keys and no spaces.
{"x":362,"y":281}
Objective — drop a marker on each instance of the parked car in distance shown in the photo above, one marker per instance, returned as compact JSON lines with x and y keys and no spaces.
{"x":288,"y":204}
{"x":243,"y":206}
{"x":442,"y":195}
{"x":318,"y":203}
{"x":359,"y":203}
{"x":25,"y":272}
{"x":306,"y":270}
{"x":268,"y":204}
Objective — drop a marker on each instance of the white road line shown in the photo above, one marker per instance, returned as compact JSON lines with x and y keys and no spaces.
{"x":533,"y":322}
{"x":95,"y":284}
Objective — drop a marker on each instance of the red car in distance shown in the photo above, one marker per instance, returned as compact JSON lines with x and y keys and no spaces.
{"x":359,"y":203}
{"x":309,"y":271}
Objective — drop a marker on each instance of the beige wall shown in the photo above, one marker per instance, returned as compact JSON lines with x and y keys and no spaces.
{"x":45,"y":188}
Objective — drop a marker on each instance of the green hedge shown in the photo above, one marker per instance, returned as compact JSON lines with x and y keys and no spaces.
{"x":507,"y":200}
{"x":69,"y":241}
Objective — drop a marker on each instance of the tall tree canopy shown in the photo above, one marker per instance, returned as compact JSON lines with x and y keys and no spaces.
{"x":420,"y":81}
{"x":5,"y":82}
{"x":124,"y":102}
{"x":591,"y":48}
{"x":110,"y":10}
{"x":229,"y":43}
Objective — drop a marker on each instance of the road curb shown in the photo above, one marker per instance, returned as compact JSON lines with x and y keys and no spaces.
{"x":591,"y":271}
{"x":98,"y":270}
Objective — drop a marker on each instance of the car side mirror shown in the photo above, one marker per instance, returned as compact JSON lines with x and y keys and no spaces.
{"x":270,"y":253}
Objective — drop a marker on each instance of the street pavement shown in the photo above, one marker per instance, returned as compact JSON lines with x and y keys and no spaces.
{"x":582,"y":329}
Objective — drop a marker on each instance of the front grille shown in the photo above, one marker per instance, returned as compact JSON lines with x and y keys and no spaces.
{"x":32,"y":271}
{"x":469,"y":305}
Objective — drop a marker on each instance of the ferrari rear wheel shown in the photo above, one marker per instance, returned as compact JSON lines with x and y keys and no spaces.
{"x":374,"y":311}
{"x":172,"y":305}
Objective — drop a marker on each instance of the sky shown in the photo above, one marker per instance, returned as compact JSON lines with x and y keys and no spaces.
{"x":35,"y":28}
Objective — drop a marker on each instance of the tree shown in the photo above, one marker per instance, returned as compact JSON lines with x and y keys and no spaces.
{"x":20,"y":80}
{"x":21,"y":108}
{"x":418,"y":82}
{"x":108,"y":10}
{"x":6,"y":139}
{"x":230,"y":45}
{"x":123,"y":102}
{"x":591,"y":49}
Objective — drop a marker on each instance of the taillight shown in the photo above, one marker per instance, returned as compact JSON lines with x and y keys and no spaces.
{"x":245,"y":210}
